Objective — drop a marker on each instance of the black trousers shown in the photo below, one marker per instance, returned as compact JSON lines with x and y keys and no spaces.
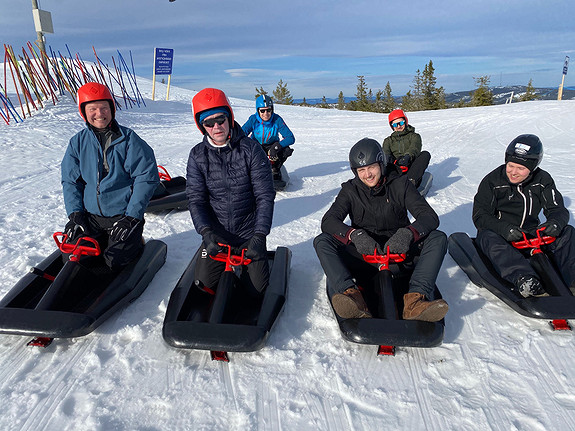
{"x":254,"y":276}
{"x":511,"y":263}
{"x":283,"y":154}
{"x":117,"y":254}
{"x":342,"y":263}
{"x":417,"y":167}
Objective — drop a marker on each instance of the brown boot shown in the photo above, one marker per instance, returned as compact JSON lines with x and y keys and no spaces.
{"x":416,"y":307}
{"x":350,"y":304}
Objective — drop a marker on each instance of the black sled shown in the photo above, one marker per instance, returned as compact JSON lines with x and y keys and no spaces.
{"x":281,"y":182}
{"x":65,"y":300}
{"x":170,"y":193}
{"x":226,"y":320}
{"x":426,"y":183}
{"x":383,"y":295}
{"x":558,"y":306}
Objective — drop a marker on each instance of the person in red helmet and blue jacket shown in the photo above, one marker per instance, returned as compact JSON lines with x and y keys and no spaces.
{"x":230,"y":193}
{"x":403,"y":148}
{"x":271,"y":131}
{"x":109,"y":175}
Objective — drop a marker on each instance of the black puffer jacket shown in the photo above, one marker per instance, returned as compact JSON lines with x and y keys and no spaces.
{"x":379,"y":210}
{"x":230,"y":189}
{"x":500,"y":205}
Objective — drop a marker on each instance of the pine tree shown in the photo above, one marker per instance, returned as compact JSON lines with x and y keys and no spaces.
{"x":408,"y":102}
{"x":529,"y":93}
{"x":323,"y":103}
{"x":388,"y":100}
{"x":416,"y":97}
{"x":282,"y":94}
{"x":340,"y":101}
{"x":304,"y":103}
{"x":260,"y":92}
{"x":432,"y":97}
{"x":482,"y":96}
{"x":361,"y":102}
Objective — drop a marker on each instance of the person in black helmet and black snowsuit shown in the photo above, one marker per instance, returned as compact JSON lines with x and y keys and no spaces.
{"x":508,"y":202}
{"x":377,"y":204}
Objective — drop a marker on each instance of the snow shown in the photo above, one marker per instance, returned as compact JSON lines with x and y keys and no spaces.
{"x":495,"y":369}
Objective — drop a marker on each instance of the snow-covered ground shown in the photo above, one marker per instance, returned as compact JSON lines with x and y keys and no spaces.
{"x":495,"y":369}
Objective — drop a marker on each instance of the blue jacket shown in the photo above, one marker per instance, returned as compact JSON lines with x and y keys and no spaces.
{"x":267,"y":132}
{"x":230,"y":189}
{"x":129,"y":185}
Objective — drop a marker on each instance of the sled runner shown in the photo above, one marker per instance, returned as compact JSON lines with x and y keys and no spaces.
{"x":227,"y":320}
{"x":426,"y":183}
{"x":64,"y":300}
{"x":383,"y":295}
{"x":281,"y":183}
{"x":170,"y":193}
{"x":560,"y":304}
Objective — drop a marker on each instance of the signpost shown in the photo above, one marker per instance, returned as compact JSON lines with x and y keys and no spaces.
{"x":163,"y":59}
{"x":565,"y":67}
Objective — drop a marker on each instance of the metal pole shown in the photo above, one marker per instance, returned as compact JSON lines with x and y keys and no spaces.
{"x":41,"y":44}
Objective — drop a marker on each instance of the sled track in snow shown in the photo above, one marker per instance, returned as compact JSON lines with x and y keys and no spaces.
{"x":58,"y":387}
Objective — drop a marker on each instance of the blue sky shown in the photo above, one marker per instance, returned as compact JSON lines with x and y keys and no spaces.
{"x":317,"y":47}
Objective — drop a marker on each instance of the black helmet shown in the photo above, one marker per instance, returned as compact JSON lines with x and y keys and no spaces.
{"x":364,"y":153}
{"x":526,"y":150}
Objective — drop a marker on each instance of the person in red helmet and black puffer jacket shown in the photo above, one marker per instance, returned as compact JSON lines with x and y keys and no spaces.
{"x":109,"y":175}
{"x":230,"y":193}
{"x":403,"y":148}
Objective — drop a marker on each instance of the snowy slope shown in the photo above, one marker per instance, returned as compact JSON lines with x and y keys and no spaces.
{"x":494,"y":370}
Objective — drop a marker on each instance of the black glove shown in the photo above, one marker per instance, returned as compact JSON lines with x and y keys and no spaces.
{"x":404,"y":160}
{"x":400,"y":241}
{"x":363,"y":242}
{"x":273,"y":151}
{"x":77,"y":226}
{"x":212,"y":242}
{"x":513,"y":234}
{"x":123,"y":228}
{"x":551,"y":228}
{"x":256,"y":247}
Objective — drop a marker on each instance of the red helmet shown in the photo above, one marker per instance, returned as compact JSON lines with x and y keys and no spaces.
{"x":210,"y":98}
{"x":93,"y":92}
{"x":394,"y":115}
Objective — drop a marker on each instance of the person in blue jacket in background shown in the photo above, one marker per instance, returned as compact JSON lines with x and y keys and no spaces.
{"x":271,"y":131}
{"x":109,"y":175}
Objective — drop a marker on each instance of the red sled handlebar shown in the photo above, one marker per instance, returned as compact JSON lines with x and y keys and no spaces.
{"x":534,"y":243}
{"x":230,"y":259}
{"x":164,"y":175}
{"x":384,"y":259}
{"x":76,"y":250}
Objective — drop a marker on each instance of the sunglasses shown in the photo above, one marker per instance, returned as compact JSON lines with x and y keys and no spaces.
{"x":265,"y":111}
{"x":211,"y":122}
{"x":398,"y":124}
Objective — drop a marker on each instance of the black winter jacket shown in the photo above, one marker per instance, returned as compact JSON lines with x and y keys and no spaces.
{"x":230,"y":189}
{"x":381,"y":211}
{"x":500,"y":205}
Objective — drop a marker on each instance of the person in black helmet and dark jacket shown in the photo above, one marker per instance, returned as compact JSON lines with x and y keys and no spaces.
{"x":377,"y":204}
{"x":508,"y":202}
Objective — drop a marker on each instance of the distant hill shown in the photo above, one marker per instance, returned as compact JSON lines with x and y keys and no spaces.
{"x":500,"y":95}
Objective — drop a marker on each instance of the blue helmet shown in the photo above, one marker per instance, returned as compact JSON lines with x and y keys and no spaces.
{"x":264,"y":101}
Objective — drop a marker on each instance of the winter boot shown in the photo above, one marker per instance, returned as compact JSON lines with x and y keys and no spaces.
{"x":350,"y":304}
{"x":416,"y":307}
{"x":528,"y":285}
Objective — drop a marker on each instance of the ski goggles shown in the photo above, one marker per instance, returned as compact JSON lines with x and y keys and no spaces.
{"x":211,"y":122}
{"x":398,"y":124}
{"x":265,"y":110}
